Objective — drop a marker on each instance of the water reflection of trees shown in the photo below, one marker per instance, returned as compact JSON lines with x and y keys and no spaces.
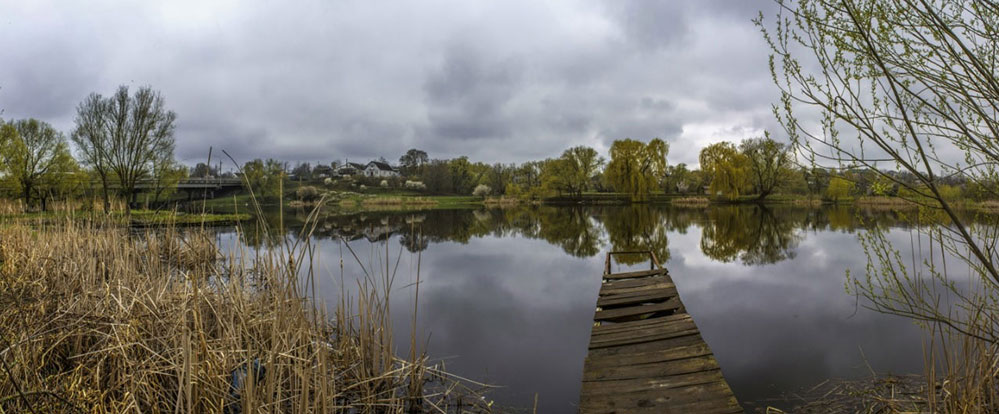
{"x":753,"y":234}
{"x":640,"y":228}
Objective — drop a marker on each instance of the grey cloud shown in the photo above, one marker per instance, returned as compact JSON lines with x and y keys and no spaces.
{"x":467,"y":95}
{"x":499,"y":82}
{"x":651,"y":25}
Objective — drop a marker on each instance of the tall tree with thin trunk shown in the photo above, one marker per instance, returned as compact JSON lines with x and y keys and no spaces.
{"x":123,"y":137}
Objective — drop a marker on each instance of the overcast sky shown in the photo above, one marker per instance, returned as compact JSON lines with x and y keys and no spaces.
{"x":499,"y":81}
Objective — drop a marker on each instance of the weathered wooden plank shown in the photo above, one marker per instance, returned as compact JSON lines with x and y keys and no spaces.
{"x":649,"y":334}
{"x":650,"y":346}
{"x":650,"y":357}
{"x":633,"y":298}
{"x":674,"y":367}
{"x":619,"y":313}
{"x":662,"y":384}
{"x":609,"y":288}
{"x":640,"y":339}
{"x":649,"y":405}
{"x":714,"y":394}
{"x":608,"y":327}
{"x":631,"y":275}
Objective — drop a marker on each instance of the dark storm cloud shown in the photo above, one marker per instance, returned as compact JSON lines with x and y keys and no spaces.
{"x":499,"y":82}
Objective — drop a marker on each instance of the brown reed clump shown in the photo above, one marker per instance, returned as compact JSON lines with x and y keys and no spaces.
{"x":398,"y":201}
{"x":885,"y":202}
{"x":690,"y":202}
{"x":501,"y":201}
{"x":97,"y":319}
{"x":806,"y":202}
{"x":874,"y":395}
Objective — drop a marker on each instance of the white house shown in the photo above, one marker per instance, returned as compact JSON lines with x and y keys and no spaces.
{"x":379,"y":169}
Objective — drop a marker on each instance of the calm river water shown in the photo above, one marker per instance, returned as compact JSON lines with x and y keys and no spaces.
{"x":507,"y":296}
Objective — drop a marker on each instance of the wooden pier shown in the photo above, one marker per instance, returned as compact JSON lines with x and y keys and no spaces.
{"x":646,"y":355}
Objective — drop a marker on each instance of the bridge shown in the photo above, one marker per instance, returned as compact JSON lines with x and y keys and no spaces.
{"x":197,"y":183}
{"x":646,"y":355}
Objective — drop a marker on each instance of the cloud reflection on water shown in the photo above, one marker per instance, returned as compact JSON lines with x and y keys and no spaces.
{"x":507,"y":296}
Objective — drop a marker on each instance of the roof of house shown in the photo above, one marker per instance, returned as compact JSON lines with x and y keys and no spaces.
{"x":381,"y":166}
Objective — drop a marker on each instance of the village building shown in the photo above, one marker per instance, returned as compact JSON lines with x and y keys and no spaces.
{"x":380,"y":169}
{"x":350,"y":169}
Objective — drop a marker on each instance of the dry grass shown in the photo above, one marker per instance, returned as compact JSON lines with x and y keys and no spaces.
{"x":398,"y":201}
{"x":501,"y":201}
{"x":691,"y":202}
{"x":95,"y":318}
{"x":988,"y":206}
{"x":886,"y":202}
{"x":11,"y":207}
{"x":807,"y":202}
{"x":875,"y":395}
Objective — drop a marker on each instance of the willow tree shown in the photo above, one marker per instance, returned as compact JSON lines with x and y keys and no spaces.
{"x":636,"y":168}
{"x":582,"y":164}
{"x":727,"y":167}
{"x":34,"y":158}
{"x":910,"y":86}
{"x":124,"y":137}
{"x":769,"y":164}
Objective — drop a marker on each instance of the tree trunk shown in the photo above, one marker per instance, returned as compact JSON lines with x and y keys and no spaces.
{"x":763,"y":195}
{"x":104,"y":187}
{"x":27,"y":195}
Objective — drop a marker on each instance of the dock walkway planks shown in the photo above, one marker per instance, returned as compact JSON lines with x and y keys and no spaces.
{"x":646,"y":355}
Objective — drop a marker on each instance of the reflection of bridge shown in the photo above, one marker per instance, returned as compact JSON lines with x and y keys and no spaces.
{"x":646,"y":354}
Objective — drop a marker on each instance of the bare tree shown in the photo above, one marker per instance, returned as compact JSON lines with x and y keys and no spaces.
{"x":123,"y":137}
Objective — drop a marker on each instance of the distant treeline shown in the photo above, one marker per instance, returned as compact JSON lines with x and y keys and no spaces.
{"x":754,"y":169}
{"x":124,"y":148}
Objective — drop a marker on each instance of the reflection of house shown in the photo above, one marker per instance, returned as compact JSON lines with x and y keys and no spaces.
{"x":379,"y":169}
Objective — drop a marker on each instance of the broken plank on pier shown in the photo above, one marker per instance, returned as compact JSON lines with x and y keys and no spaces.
{"x":646,"y":355}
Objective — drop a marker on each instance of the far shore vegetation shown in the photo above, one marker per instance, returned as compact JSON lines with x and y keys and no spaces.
{"x":39,"y":169}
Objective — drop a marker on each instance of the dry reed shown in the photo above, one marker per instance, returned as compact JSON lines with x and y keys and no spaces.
{"x":501,"y":201}
{"x":885,"y":202}
{"x":807,"y":202}
{"x":398,"y":201}
{"x":97,"y":318}
{"x":874,"y":395}
{"x":690,"y":202}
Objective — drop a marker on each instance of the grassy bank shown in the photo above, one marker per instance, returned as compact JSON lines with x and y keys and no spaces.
{"x":387,"y":199}
{"x":142,"y":218}
{"x":96,"y":319}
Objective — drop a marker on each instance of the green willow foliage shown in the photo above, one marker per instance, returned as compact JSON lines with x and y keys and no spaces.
{"x":636,"y":167}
